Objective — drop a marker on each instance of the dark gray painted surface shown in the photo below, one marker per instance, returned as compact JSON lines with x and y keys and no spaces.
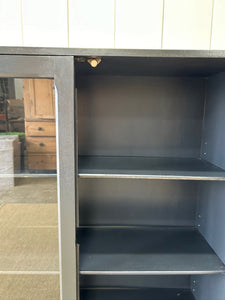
{"x":140,"y":116}
{"x":209,"y":54}
{"x":66,"y":169}
{"x":76,"y":156}
{"x":146,"y":251}
{"x":211,"y":208}
{"x":167,"y":62}
{"x":136,"y":294}
{"x":146,"y":281}
{"x":27,"y":67}
{"x":213,"y":143}
{"x":154,"y":66}
{"x":137,"y":202}
{"x":148,"y":168}
{"x":211,"y":202}
{"x":210,"y":287}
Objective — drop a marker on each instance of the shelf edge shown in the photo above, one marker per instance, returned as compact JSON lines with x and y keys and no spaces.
{"x":151,"y":272}
{"x":164,"y":177}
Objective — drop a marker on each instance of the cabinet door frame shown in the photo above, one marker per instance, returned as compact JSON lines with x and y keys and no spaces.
{"x":61,"y":69}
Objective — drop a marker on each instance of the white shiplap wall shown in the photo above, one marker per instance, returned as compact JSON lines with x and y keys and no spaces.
{"x":91,"y":23}
{"x":218,"y":25}
{"x":187,"y":24}
{"x":44,"y":23}
{"x":145,"y":24}
{"x":10,"y":23}
{"x":138,"y":24}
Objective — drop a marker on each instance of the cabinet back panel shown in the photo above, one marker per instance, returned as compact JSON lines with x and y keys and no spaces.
{"x":140,"y":116}
{"x":140,"y":202}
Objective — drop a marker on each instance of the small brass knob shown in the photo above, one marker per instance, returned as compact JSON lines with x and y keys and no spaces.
{"x":94,"y":61}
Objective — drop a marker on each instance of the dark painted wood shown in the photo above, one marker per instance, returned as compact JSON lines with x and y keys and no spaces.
{"x":136,"y":294}
{"x":112,"y":52}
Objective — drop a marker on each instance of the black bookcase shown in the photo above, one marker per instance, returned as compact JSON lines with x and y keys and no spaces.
{"x":151,"y":179}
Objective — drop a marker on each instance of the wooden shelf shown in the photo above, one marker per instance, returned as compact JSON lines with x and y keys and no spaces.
{"x":148,"y":168}
{"x":146,"y":251}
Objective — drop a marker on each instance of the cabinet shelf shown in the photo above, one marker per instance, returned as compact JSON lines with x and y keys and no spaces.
{"x":136,"y":294}
{"x":148,"y":168}
{"x":146,"y":251}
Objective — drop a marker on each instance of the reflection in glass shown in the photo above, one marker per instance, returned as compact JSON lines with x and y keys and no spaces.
{"x":29,"y":259}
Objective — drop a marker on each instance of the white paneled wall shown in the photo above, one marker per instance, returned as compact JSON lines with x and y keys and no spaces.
{"x":138,"y":24}
{"x":187,"y":24}
{"x":10,"y":23}
{"x":141,"y":24}
{"x":218,"y":28}
{"x":91,"y":23}
{"x":44,"y":23}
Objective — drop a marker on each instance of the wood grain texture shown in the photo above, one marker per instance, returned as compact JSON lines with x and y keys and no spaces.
{"x":44,"y":161}
{"x":41,"y":144}
{"x":39,"y":100}
{"x":39,"y":105}
{"x":40,"y":128}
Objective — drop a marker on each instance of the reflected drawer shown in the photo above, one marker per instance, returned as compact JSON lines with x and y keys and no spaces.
{"x":41,"y":144}
{"x":45,"y":161}
{"x":40,"y":129}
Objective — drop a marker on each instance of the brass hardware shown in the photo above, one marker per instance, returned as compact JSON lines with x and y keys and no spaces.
{"x":94,"y":61}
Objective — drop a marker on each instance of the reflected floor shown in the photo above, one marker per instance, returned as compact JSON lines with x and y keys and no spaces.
{"x":31,"y":190}
{"x":29,"y":260}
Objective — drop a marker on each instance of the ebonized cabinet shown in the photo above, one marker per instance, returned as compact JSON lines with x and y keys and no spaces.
{"x":141,"y":169}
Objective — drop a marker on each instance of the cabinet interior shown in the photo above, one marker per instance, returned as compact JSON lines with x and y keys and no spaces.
{"x":151,"y":178}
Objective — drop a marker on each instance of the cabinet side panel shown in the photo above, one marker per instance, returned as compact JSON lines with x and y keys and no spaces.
{"x":210,"y":221}
{"x":213,"y":142}
{"x":210,"y":217}
{"x":208,"y":287}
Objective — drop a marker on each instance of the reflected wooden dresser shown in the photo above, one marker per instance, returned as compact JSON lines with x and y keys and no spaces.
{"x":39,"y":106}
